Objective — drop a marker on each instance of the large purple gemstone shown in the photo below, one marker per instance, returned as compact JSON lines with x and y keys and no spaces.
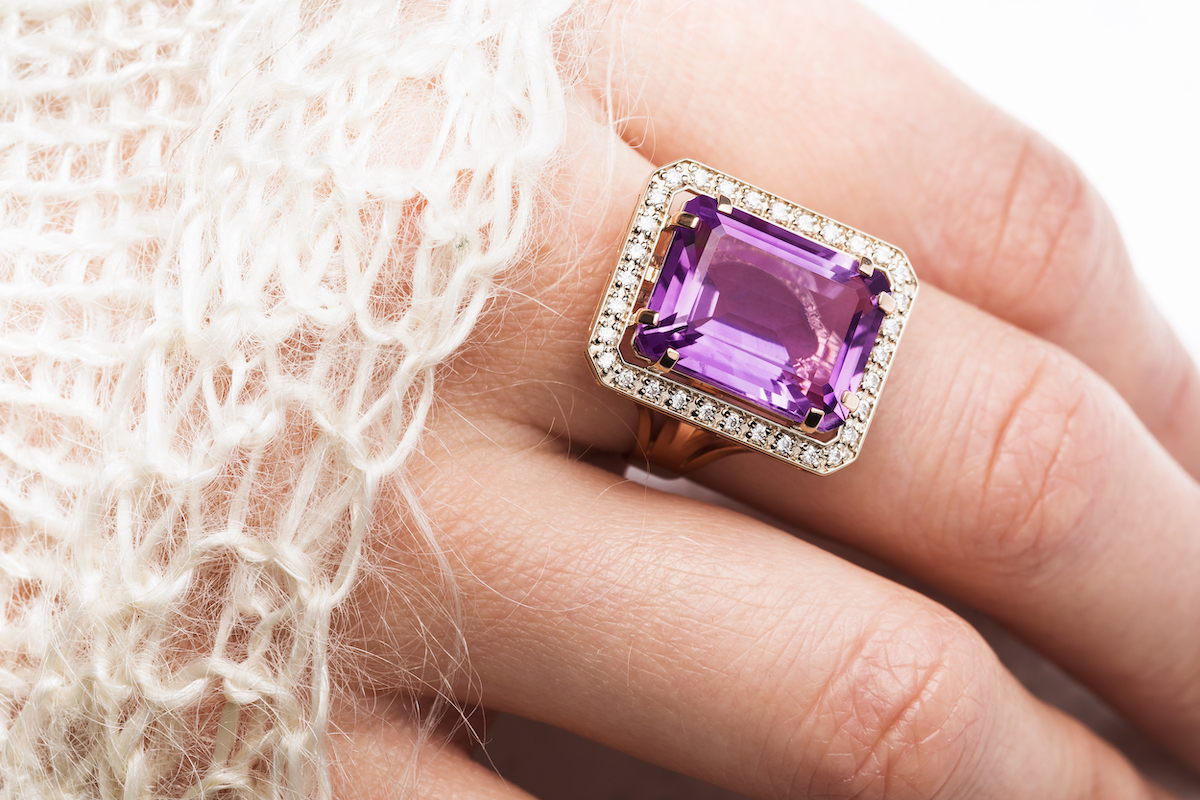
{"x":770,"y":317}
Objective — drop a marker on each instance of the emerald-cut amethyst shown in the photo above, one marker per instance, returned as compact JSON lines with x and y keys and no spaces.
{"x":776,"y":320}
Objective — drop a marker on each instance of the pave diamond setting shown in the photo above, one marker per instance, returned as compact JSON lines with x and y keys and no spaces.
{"x":761,"y":323}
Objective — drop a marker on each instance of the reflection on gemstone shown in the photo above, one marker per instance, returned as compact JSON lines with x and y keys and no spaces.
{"x":777,"y":320}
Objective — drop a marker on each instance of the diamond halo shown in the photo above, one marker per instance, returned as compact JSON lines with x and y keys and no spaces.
{"x":618,"y":365}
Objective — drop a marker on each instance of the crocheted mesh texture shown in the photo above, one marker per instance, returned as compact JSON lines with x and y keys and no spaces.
{"x":237,"y":239}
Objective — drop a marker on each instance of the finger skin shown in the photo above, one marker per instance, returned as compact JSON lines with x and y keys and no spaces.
{"x":998,"y":468}
{"x":859,"y":124}
{"x":558,"y":397}
{"x":1003,"y":471}
{"x":379,"y":750}
{"x":718,"y":646}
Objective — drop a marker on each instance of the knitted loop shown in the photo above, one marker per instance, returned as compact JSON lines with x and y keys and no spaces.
{"x":236,"y":240}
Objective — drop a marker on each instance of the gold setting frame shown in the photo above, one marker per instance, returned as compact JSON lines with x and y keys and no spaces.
{"x":619,"y":367}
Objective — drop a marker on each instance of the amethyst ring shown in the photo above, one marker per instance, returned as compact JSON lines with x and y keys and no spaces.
{"x":738,"y":320}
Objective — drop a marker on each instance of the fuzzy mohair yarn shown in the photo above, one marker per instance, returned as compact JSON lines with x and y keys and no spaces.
{"x":237,"y":240}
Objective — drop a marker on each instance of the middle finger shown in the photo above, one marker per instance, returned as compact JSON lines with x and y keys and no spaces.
{"x":715,"y":645}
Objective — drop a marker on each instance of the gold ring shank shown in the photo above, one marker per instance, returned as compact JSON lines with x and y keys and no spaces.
{"x":676,"y":446}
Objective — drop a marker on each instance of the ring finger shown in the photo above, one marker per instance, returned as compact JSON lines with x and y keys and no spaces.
{"x":866,"y":128}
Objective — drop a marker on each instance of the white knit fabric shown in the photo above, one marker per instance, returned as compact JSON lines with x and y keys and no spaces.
{"x":237,"y":239}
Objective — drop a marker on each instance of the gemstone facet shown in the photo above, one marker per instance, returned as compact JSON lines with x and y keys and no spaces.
{"x":745,"y":317}
{"x":778,"y":321}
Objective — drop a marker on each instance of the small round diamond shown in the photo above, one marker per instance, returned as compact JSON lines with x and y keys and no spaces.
{"x":836,"y":455}
{"x":615,"y":306}
{"x":673,"y":177}
{"x":758,"y":433}
{"x":652,"y":389}
{"x":727,"y":188}
{"x":656,"y":196}
{"x":901,"y":273}
{"x":784,"y":444}
{"x":858,"y":244}
{"x":890,"y":326}
{"x":780,"y":211}
{"x":883,"y":353}
{"x":901,"y":301}
{"x":625,"y":378}
{"x":732,"y":421}
{"x":636,"y":251}
{"x":626,"y":278}
{"x":849,"y":436}
{"x":870,"y":381}
{"x":678,"y":400}
{"x":606,"y":360}
{"x":832,"y":233}
{"x":647,"y":222}
{"x":807,"y":223}
{"x":706,"y":411}
{"x":754,"y":201}
{"x":809,"y":456}
{"x":864,"y":408}
{"x":607,"y":334}
{"x":702,"y":178}
{"x":884,"y":255}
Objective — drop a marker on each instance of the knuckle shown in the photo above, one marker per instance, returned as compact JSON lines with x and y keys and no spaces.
{"x":1174,"y":412}
{"x":905,"y":714}
{"x":1040,"y":469}
{"x":1040,"y":229}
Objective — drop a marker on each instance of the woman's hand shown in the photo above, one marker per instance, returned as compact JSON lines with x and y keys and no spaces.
{"x":1035,"y":455}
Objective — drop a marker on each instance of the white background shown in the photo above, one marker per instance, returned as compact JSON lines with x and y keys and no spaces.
{"x":1114,"y":83}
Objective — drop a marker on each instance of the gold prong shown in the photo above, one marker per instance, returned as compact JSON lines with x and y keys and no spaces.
{"x":887,"y":303}
{"x":647,"y":317}
{"x":866,"y":267}
{"x":669,"y":360}
{"x":685,"y":220}
{"x":850,"y":401}
{"x":724,"y":204}
{"x":811,"y":420}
